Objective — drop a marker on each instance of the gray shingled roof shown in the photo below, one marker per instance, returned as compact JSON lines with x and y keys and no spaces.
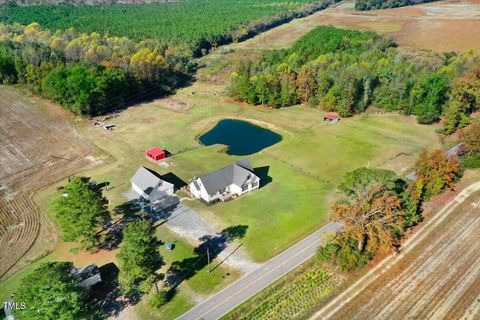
{"x":147,"y":180}
{"x":237,"y":173}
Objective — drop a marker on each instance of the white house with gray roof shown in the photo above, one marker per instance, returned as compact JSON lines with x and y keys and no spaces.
{"x":148,"y":185}
{"x":235,"y":180}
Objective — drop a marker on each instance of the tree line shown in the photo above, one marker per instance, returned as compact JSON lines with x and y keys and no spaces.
{"x":199,"y":25}
{"x":363,"y":5}
{"x":347,"y":71}
{"x":89,"y":74}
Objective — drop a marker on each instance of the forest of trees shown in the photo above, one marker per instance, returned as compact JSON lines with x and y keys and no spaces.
{"x":92,"y":73}
{"x":347,"y":71}
{"x":199,"y":25}
{"x":89,"y":74}
{"x":363,"y":5}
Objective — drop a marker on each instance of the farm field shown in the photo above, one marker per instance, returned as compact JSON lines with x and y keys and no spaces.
{"x":39,"y":146}
{"x":438,"y":278}
{"x":442,"y":26}
{"x":293,"y":296}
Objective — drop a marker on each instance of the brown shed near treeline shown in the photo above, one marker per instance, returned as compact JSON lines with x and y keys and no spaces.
{"x":331,"y":117}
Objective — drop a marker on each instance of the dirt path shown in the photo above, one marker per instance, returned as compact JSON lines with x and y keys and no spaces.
{"x":437,"y":275}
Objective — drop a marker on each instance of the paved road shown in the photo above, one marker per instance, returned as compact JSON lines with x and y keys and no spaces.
{"x":233,"y":295}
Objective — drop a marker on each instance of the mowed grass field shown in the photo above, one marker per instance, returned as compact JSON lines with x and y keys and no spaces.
{"x":304,"y":168}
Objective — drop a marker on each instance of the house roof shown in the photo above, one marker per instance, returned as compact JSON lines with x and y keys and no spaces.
{"x":237,"y":173}
{"x":87,"y":276}
{"x":331,"y":115}
{"x":148,"y":180}
{"x":155,"y":151}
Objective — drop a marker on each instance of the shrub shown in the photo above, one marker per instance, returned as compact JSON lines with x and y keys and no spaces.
{"x":470,"y":161}
{"x":159,"y":299}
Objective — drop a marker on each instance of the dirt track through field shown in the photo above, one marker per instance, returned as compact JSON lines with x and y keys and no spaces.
{"x":439,"y":277}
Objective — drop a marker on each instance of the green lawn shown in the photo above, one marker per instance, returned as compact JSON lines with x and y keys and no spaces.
{"x":304,"y":168}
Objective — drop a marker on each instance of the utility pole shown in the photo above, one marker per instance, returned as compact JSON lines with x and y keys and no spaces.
{"x":208,"y":259}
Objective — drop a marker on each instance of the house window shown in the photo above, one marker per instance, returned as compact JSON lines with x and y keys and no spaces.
{"x":255,"y":184}
{"x":244,"y":188}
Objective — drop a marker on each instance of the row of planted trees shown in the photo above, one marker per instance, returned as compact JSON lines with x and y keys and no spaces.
{"x":378,"y":207}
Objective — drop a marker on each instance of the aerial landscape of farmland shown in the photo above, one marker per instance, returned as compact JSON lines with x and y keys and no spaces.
{"x":254,"y":159}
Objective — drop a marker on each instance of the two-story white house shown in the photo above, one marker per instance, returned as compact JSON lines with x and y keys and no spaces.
{"x":235,"y":180}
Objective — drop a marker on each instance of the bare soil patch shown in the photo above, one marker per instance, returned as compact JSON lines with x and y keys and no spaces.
{"x":442,"y":26}
{"x":172,"y":104}
{"x":39,"y":145}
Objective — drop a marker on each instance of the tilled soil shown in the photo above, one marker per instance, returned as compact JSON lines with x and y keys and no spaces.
{"x":38,"y":146}
{"x":438,"y":279}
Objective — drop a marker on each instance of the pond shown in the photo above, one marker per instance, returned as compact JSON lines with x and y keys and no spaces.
{"x":241,"y":137}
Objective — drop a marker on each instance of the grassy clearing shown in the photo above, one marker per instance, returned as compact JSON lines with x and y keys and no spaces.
{"x":292,"y":296}
{"x":304,"y":167}
{"x":174,"y":308}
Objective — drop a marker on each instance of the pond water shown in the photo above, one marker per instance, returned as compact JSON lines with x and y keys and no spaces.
{"x":241,"y":137}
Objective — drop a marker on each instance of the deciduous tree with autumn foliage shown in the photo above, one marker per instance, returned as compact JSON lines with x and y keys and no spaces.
{"x":470,"y":139}
{"x":374,"y":212}
{"x":435,"y":171}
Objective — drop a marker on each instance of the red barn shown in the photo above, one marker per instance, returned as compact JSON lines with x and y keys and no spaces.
{"x":155,"y":154}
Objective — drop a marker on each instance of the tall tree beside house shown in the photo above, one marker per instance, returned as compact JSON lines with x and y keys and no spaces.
{"x":81,"y":210}
{"x":138,"y":258}
{"x":434,"y":172}
{"x":50,"y":292}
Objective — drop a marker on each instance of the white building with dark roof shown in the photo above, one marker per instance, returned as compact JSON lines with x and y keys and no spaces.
{"x":149,"y":186}
{"x":235,"y":180}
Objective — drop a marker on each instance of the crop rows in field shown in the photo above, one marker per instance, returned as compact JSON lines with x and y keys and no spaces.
{"x":437,"y":278}
{"x":192,"y":22}
{"x":32,"y":142}
{"x":38,"y":147}
{"x":19,"y":226}
{"x":292,"y":297}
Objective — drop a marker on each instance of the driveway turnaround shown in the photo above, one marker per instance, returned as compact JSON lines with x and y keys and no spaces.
{"x":189,"y":224}
{"x":236,"y":293}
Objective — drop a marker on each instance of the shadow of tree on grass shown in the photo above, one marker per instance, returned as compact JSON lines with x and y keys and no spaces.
{"x":210,"y":247}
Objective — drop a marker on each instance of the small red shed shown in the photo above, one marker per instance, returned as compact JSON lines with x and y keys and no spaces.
{"x":331,"y":117}
{"x":155,"y":154}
